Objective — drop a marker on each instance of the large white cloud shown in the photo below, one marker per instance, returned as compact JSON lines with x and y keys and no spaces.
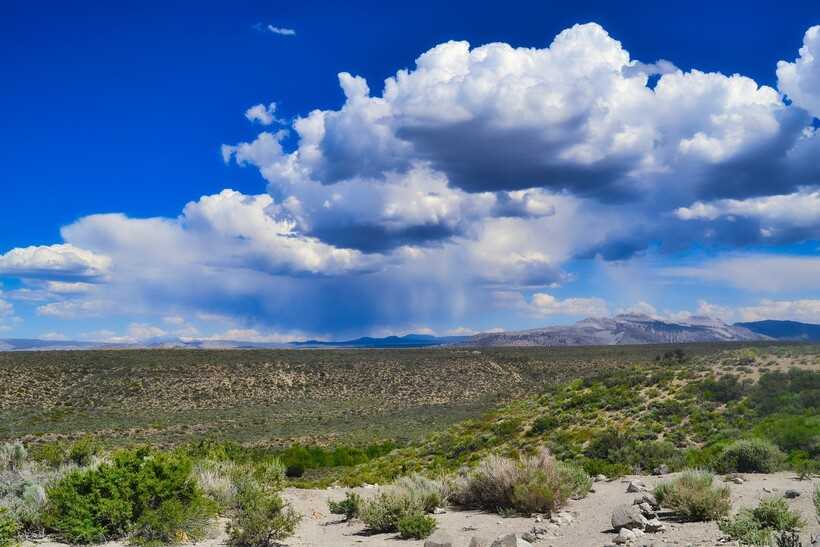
{"x":54,"y":261}
{"x":800,"y":80}
{"x":480,"y":171}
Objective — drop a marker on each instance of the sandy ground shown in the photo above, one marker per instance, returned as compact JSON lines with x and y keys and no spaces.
{"x":591,"y":526}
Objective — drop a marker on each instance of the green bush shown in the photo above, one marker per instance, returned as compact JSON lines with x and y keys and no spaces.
{"x":383,"y":512}
{"x":692,"y":496}
{"x":8,"y":529}
{"x":143,"y":493}
{"x":262,"y":518}
{"x":349,"y":507}
{"x":82,"y":451}
{"x":756,"y":526}
{"x":416,"y":526}
{"x":530,"y":484}
{"x":750,"y":456}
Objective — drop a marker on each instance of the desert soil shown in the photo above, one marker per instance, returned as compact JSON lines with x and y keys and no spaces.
{"x":591,"y":526}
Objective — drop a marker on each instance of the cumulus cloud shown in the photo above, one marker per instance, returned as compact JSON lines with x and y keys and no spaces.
{"x":544,"y":304}
{"x":792,"y":216}
{"x":63,"y":261}
{"x":263,"y":115}
{"x":479,"y":170}
{"x":800,"y":80}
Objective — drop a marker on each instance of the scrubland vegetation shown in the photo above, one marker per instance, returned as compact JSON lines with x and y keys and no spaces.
{"x":749,"y":410}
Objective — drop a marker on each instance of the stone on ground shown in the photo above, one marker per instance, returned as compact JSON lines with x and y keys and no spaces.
{"x":511,"y":540}
{"x":439,"y":539}
{"x":627,"y":516}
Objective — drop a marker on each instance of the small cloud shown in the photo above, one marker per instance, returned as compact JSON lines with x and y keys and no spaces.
{"x":264,"y":115}
{"x":282,"y":31}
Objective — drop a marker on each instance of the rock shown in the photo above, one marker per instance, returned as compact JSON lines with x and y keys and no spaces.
{"x":649,"y":499}
{"x":735,"y":479}
{"x":539,"y":518}
{"x":478,"y":541}
{"x":654,"y":525}
{"x":791,"y":494}
{"x":646,"y":510}
{"x":529,"y":536}
{"x":511,"y":540}
{"x":625,"y":536}
{"x":627,"y":516}
{"x":438,"y":511}
{"x":662,"y":469}
{"x":439,"y":539}
{"x":599,"y":478}
{"x":767,"y":490}
{"x":562,"y":519}
{"x":636,"y":486}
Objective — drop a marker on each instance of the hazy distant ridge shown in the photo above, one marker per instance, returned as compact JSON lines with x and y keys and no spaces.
{"x":620,"y":329}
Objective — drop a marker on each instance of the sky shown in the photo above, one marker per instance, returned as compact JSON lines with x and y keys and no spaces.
{"x":271,"y":171}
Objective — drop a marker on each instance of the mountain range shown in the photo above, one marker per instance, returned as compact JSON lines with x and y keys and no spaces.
{"x":617,"y":330}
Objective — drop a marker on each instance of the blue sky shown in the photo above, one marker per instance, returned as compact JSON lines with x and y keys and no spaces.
{"x":595,"y":159}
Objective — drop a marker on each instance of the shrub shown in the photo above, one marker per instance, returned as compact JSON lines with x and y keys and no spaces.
{"x":262,"y":518}
{"x":749,"y":456}
{"x":416,"y":526}
{"x":216,"y":481}
{"x":429,"y":493}
{"x":756,"y":526}
{"x":295,"y":470}
{"x":82,"y":451}
{"x":8,"y":529}
{"x":816,"y":500}
{"x":12,"y":456}
{"x":692,"y":496}
{"x":349,"y":507}
{"x":531,"y":484}
{"x":383,"y":512}
{"x":141,"y":492}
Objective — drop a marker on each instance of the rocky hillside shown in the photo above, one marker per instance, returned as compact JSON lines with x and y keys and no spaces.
{"x":621,"y":329}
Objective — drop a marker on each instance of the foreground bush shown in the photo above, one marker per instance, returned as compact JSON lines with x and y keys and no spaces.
{"x":532,"y":484}
{"x":141,"y":493}
{"x":757,"y":526}
{"x":8,"y":528}
{"x":692,"y":496}
{"x":408,"y":496}
{"x":416,"y":526}
{"x":349,"y":507}
{"x":750,"y":456}
{"x":262,"y":518}
{"x":383,"y":512}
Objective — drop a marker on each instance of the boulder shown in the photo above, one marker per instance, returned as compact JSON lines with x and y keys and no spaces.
{"x":649,"y":499}
{"x":479,"y":541}
{"x":625,"y":535}
{"x":439,"y":539}
{"x":646,"y":510}
{"x":791,"y":494}
{"x":636,"y":486}
{"x":654,"y":525}
{"x":438,"y":511}
{"x":599,"y":478}
{"x":627,"y":516}
{"x":662,"y":469}
{"x":511,"y":540}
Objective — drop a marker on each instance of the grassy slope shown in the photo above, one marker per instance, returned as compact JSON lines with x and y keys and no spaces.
{"x":674,"y":412}
{"x":168,"y":397}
